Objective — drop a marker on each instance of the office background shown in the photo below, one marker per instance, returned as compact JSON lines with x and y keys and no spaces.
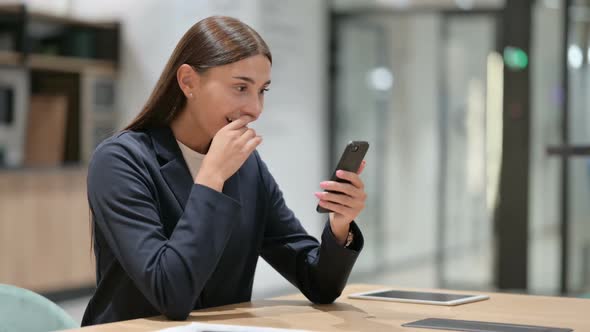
{"x":477,"y":114}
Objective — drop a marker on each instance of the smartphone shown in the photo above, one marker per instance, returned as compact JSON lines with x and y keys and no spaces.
{"x":350,"y":161}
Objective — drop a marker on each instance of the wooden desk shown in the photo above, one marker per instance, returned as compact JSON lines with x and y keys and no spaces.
{"x":360,"y":315}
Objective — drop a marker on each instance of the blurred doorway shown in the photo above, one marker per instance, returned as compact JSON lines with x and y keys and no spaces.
{"x":569,"y":153}
{"x":425,"y":87}
{"x":470,"y":145}
{"x":417,"y":85}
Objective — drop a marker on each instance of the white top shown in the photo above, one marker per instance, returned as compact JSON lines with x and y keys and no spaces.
{"x":192,"y":158}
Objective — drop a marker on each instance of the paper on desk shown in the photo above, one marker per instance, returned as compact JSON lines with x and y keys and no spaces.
{"x":202,"y":327}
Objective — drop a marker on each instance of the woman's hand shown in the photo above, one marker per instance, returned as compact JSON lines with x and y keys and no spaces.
{"x":230,"y":148}
{"x":346,"y":200}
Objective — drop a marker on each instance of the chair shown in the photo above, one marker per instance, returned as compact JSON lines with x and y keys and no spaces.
{"x":27,"y":311}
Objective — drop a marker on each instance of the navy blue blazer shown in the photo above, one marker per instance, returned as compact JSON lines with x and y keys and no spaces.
{"x":165,"y":245}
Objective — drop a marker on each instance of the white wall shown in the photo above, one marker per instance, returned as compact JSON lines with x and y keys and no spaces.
{"x":293,"y":122}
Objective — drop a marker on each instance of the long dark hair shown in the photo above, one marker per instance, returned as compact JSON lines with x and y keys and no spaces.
{"x":211,"y":42}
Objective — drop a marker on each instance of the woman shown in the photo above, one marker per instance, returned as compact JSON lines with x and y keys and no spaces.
{"x":182,"y":204}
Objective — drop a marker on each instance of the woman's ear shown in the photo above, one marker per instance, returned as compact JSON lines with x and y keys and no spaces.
{"x":187,"y":79}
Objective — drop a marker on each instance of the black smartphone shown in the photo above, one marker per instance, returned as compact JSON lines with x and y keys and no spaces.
{"x":350,"y":161}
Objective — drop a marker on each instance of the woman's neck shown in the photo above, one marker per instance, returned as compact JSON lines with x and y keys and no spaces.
{"x":188,"y":131}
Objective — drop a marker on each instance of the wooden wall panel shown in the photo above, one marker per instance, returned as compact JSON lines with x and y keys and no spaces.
{"x":44,"y":230}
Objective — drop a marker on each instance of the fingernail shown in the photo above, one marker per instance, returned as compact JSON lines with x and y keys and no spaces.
{"x":339,"y":172}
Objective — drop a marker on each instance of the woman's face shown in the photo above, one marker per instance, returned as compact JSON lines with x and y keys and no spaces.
{"x":224,"y":93}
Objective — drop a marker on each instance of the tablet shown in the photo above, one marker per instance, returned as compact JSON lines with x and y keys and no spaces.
{"x":418,"y":297}
{"x":474,"y":326}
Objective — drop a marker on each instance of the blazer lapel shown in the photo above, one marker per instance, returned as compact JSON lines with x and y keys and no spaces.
{"x":172,"y":164}
{"x":175,"y":171}
{"x":231,"y":187}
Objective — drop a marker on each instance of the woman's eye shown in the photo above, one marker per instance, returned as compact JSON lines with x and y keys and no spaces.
{"x":241,"y":88}
{"x":263,"y":91}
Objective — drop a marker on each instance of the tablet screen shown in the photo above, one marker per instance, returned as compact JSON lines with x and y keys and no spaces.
{"x":436,"y":297}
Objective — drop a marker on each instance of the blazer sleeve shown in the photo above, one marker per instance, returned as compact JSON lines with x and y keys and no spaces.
{"x":170,"y":272}
{"x":319,"y":271}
